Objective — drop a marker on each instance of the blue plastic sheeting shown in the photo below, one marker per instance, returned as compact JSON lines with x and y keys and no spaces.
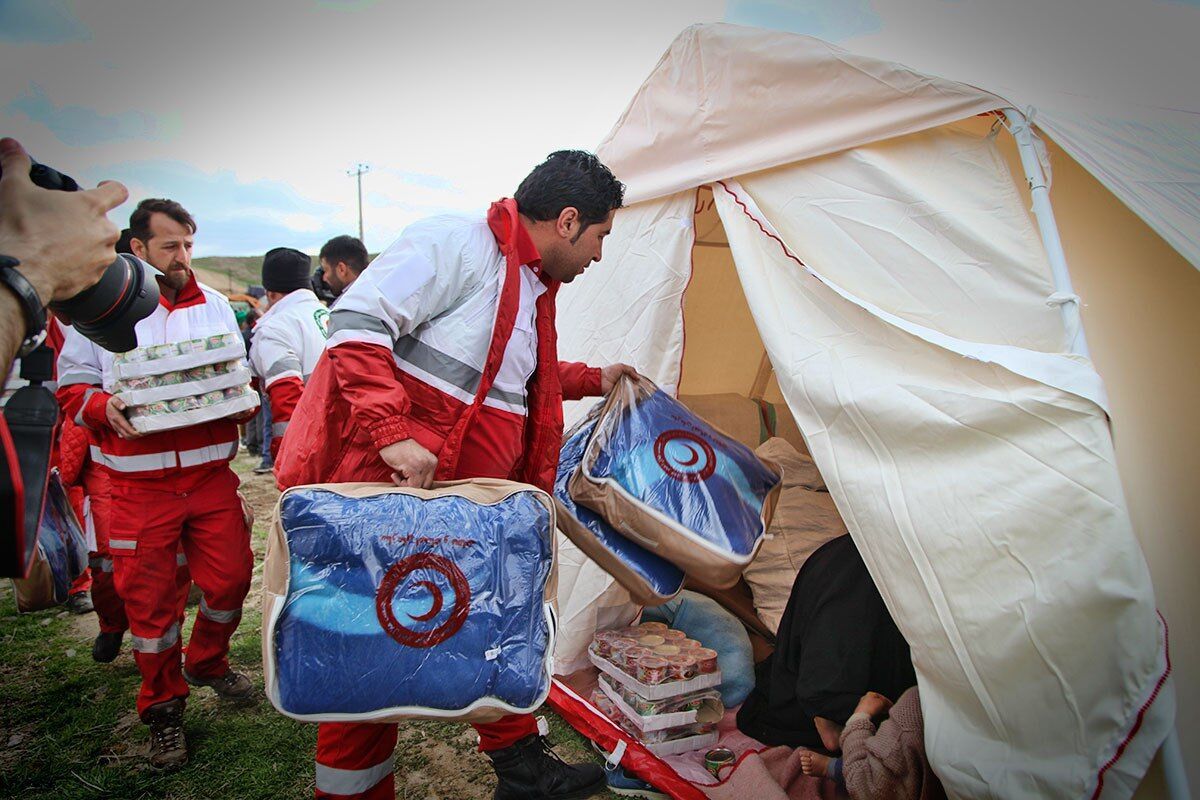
{"x":662,"y":577}
{"x":60,"y":539}
{"x":672,"y":461}
{"x":396,"y":601}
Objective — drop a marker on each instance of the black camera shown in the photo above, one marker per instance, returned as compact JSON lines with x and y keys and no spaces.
{"x":106,"y":313}
{"x":125,"y":294}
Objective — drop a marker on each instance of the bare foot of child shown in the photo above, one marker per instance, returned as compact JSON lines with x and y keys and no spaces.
{"x":813,"y":764}
{"x":830,"y":733}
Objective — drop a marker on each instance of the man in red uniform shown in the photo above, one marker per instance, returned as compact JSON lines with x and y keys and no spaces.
{"x":441,"y":364}
{"x":168,"y":488}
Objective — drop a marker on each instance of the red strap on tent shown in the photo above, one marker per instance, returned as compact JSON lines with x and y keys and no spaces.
{"x":638,"y":759}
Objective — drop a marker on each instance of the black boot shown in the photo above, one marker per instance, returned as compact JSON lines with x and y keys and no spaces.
{"x":106,"y":647}
{"x":530,"y":770}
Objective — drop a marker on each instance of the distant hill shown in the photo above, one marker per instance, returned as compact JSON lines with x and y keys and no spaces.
{"x":230,"y":273}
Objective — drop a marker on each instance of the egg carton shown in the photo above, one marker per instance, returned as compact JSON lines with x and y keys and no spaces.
{"x":183,"y":383}
{"x":161,"y":359}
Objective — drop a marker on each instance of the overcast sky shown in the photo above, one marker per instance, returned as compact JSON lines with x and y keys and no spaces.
{"x":250,"y":113}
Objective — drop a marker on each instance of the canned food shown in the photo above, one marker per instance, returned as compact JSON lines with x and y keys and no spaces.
{"x":631,"y":656}
{"x":673,"y":636}
{"x":667,"y":650}
{"x":686,"y":644}
{"x":651,"y":640}
{"x":706,"y":660}
{"x":652,"y":670}
{"x":653,"y":627}
{"x":681,"y":667}
{"x":717,"y":759}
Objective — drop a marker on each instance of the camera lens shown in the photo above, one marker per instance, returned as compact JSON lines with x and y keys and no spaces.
{"x":107,"y":312}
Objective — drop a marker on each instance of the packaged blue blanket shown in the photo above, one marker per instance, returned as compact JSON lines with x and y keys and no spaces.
{"x":703,"y":499}
{"x":650,"y":580}
{"x":384,"y":603}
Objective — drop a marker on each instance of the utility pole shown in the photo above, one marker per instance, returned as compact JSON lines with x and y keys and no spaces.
{"x":359,"y":170}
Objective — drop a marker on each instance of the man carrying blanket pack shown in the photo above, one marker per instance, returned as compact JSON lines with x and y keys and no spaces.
{"x":442,"y":364}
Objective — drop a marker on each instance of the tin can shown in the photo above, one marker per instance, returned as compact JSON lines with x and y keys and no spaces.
{"x":618,"y":646}
{"x":673,"y":636}
{"x":651,"y":640}
{"x":667,"y":650}
{"x":717,"y":759}
{"x":682,"y":667}
{"x":652,"y":627}
{"x":687,"y":644}
{"x":631,"y":656}
{"x":706,"y":660}
{"x":652,"y":670}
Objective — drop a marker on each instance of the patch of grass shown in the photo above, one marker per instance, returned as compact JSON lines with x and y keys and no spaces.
{"x":68,"y":729}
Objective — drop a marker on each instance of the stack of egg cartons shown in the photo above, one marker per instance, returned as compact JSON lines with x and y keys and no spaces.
{"x":659,"y":686}
{"x":178,"y":384}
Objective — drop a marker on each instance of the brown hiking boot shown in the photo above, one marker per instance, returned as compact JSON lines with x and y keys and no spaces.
{"x":168,"y":748}
{"x":232,"y":685}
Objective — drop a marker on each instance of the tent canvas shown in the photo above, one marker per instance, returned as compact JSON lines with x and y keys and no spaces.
{"x":892,"y":274}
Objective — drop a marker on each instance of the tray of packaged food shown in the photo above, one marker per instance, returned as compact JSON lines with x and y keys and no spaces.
{"x":655,"y":664}
{"x":183,"y":412}
{"x":664,"y":742}
{"x":654,"y":715}
{"x":190,"y":382}
{"x":161,"y":359}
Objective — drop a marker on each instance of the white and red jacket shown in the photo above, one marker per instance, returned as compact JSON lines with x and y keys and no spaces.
{"x":86,"y":377}
{"x":287,"y":342}
{"x":451,"y":328}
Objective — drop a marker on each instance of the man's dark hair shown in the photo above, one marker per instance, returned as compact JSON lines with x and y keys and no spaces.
{"x":347,"y":249}
{"x":570,"y":178}
{"x":123,"y":243}
{"x":139,"y":220}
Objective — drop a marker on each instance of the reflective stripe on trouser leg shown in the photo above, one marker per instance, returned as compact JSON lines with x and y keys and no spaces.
{"x":220,"y":562}
{"x":354,"y":760}
{"x":110,"y":609}
{"x":145,"y":576}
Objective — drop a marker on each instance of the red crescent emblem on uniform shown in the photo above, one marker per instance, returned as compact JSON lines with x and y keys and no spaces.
{"x":458,"y":613}
{"x":693,"y":470}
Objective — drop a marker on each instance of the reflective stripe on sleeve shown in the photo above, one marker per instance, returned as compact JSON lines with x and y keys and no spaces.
{"x":160,"y":644}
{"x":332,"y":780}
{"x":72,"y":378}
{"x":217,"y":615}
{"x":122,"y":544}
{"x":346,"y":320}
{"x":79,"y":414}
{"x":287,"y":364}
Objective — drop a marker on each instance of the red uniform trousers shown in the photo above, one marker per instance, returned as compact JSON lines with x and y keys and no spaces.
{"x":150,"y":520}
{"x":110,"y":609}
{"x":354,"y":759}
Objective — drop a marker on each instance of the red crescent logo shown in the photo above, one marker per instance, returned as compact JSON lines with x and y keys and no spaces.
{"x":685,"y":471}
{"x":395,"y":576}
{"x":436,"y":608}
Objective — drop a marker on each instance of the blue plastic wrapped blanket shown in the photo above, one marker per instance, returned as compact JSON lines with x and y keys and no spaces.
{"x":409,"y":603}
{"x":649,"y":579}
{"x":654,"y":467}
{"x":60,"y":556}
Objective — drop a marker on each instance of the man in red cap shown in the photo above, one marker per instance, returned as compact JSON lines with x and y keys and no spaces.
{"x":441,"y":364}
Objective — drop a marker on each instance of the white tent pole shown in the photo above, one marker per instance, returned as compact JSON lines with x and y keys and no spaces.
{"x":1068,"y":302}
{"x":1172,"y":757}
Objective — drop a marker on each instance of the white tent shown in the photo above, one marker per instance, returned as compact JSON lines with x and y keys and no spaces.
{"x":855,"y":221}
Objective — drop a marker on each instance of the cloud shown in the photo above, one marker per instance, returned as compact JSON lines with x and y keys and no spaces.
{"x":80,"y":126}
{"x":44,"y":21}
{"x":829,"y":21}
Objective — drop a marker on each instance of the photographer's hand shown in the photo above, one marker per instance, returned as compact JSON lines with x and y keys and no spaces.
{"x":64,"y":240}
{"x":114,"y":412}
